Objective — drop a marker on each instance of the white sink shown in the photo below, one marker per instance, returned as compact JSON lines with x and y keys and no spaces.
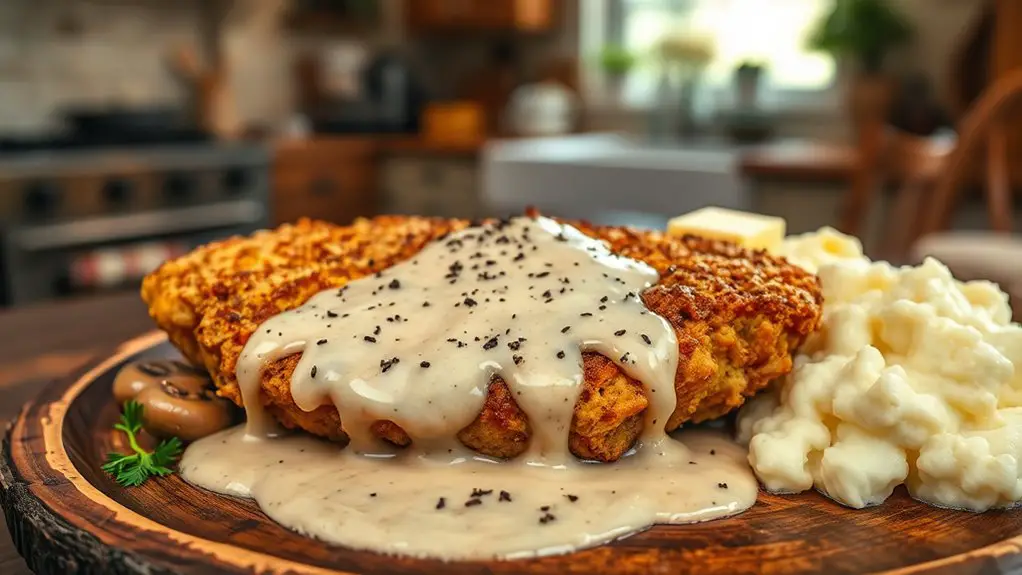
{"x":610,"y":180}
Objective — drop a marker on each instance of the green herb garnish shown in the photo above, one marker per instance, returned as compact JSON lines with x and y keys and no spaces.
{"x":133,"y":470}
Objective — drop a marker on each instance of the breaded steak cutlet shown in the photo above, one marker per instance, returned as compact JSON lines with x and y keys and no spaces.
{"x":738,"y":315}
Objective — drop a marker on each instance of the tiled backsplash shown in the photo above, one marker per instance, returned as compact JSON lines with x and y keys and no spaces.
{"x":55,"y":53}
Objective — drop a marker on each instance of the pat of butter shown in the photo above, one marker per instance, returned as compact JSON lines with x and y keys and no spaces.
{"x":753,"y":231}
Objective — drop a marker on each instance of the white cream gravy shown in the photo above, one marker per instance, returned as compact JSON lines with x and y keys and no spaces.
{"x":390,"y":505}
{"x":417,"y":345}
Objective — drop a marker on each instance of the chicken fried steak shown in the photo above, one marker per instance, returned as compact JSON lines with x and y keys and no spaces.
{"x":738,"y":316}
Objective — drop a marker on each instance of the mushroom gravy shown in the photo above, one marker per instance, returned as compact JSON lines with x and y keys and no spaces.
{"x":418,"y":344}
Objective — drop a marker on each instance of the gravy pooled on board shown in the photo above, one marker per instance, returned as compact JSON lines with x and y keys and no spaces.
{"x":466,"y":507}
{"x":418,"y":344}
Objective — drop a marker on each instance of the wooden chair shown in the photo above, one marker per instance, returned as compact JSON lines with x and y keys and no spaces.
{"x":984,"y":125}
{"x":982,"y":76}
{"x":886,"y":155}
{"x":925,"y":204}
{"x":916,"y":162}
{"x":933,"y":171}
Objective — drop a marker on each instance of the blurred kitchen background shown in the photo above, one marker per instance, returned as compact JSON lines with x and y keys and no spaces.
{"x":133,"y":130}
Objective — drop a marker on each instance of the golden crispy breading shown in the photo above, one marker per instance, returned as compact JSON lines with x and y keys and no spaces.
{"x":738,"y":316}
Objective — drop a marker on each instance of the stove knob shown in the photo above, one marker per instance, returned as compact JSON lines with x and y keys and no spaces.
{"x":179,"y":187}
{"x":234,"y":181}
{"x":118,"y":192}
{"x":41,"y":198}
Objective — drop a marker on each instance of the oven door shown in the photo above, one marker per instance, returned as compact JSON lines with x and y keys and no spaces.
{"x":113,"y":252}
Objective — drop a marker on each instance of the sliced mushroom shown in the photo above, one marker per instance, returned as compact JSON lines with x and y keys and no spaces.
{"x":139,"y":375}
{"x":178,"y":399}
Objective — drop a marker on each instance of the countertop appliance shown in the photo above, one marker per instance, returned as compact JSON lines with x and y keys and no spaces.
{"x":390,"y":101}
{"x":80,"y":216}
{"x":542,"y":109}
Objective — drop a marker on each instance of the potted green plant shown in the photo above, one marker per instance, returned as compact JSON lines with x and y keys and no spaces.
{"x":863,"y":33}
{"x":616,"y":62}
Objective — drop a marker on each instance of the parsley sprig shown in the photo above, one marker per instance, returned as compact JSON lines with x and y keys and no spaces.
{"x":133,"y":470}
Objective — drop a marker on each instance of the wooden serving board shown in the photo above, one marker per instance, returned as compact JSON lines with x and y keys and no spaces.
{"x":67,"y":516}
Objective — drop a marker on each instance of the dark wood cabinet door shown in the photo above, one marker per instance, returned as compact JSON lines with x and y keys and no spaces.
{"x":330,"y":180}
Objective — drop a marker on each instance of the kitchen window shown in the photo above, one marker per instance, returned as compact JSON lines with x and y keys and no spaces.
{"x":770,"y":32}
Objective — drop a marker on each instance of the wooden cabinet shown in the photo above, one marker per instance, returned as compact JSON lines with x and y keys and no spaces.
{"x":327,"y":179}
{"x":426,"y":16}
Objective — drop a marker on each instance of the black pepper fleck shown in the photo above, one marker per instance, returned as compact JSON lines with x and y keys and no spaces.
{"x":386,"y":364}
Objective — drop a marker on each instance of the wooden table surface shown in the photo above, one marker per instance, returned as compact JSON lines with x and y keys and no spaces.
{"x":45,"y":342}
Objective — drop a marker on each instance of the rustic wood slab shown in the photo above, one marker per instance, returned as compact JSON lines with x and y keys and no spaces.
{"x":66,"y":516}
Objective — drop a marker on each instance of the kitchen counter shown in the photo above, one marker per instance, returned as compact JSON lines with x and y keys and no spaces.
{"x":42,"y":343}
{"x":800,"y":161}
{"x":782,"y":159}
{"x":339,"y":177}
{"x":615,"y":179}
{"x":416,"y":145}
{"x":384,"y":144}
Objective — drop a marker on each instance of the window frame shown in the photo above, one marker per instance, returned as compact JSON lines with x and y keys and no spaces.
{"x":600,"y":21}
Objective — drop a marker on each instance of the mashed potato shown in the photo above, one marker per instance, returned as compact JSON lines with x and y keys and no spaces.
{"x":914,"y":378}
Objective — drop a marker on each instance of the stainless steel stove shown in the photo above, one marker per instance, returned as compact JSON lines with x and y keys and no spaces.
{"x":82,"y":219}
